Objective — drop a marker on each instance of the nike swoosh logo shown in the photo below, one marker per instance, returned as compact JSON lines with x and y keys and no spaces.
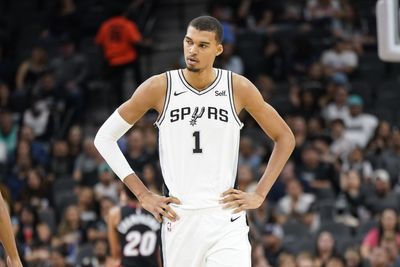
{"x":232,"y":219}
{"x":176,"y":93}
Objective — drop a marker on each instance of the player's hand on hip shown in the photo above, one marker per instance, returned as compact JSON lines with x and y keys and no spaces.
{"x":158,"y":206}
{"x":240,"y":201}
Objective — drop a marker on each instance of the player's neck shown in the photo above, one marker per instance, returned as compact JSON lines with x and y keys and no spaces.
{"x":200,"y":80}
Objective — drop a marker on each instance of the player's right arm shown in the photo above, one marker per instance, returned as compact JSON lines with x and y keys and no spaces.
{"x":7,"y":236}
{"x":149,"y":95}
{"x":114,"y":215}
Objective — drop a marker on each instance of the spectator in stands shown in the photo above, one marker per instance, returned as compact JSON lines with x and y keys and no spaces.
{"x":86,"y":205}
{"x":36,"y":193}
{"x":338,"y":109}
{"x":118,"y":37}
{"x":341,"y":58}
{"x":71,"y":232}
{"x":286,"y":260}
{"x":38,"y":117}
{"x":360,"y":126}
{"x":318,"y":10}
{"x":26,"y":227}
{"x":356,"y":162}
{"x":151,"y":178}
{"x":58,"y":257}
{"x":258,"y":257}
{"x":261,"y":216}
{"x":304,"y":259}
{"x":75,"y":141}
{"x":300,"y":132}
{"x":388,"y":227}
{"x":100,"y":257}
{"x":86,"y":164}
{"x":107,"y":185}
{"x":245,"y":177}
{"x":341,"y":146}
{"x":247,"y":153}
{"x":273,"y":60}
{"x":19,"y":168}
{"x":382,"y":196}
{"x":30,"y":71}
{"x":325,"y":249}
{"x":38,"y":148}
{"x":352,"y":258}
{"x":272,"y":239}
{"x":379,"y":257}
{"x":296,"y":203}
{"x":60,"y":164}
{"x":259,"y":14}
{"x":335,"y":262}
{"x":354,"y":196}
{"x":42,"y":246}
{"x":380,"y":142}
{"x":135,"y":153}
{"x":98,"y":229}
{"x":390,"y":160}
{"x":70,"y":70}
{"x":8,"y":131}
{"x":314,"y":77}
{"x":316,"y":176}
{"x":392,"y":247}
{"x":5,"y":97}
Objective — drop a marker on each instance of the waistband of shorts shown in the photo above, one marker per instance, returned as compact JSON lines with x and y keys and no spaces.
{"x":205,"y":210}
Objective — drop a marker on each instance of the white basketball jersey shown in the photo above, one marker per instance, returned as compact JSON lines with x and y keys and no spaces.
{"x":199,"y":135}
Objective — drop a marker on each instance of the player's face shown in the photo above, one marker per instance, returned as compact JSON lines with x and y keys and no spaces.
{"x":200,"y":49}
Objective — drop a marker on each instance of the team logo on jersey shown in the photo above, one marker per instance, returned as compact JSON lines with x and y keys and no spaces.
{"x":196,"y":114}
{"x":211,"y":113}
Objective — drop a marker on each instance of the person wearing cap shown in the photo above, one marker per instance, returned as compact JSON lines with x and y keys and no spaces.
{"x":360,"y":126}
{"x":382,"y":196}
{"x":338,"y":109}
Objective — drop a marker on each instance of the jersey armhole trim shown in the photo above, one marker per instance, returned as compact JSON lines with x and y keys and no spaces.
{"x":231,"y":99}
{"x":166,"y":100}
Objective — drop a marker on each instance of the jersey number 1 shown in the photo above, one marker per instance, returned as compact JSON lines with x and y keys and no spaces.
{"x":197,"y":148}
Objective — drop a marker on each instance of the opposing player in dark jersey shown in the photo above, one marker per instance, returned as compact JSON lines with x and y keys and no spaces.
{"x":133,"y":234}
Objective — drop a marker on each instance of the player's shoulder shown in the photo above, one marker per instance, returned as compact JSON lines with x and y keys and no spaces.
{"x":241,"y":85}
{"x":156,"y":84}
{"x":114,"y":214}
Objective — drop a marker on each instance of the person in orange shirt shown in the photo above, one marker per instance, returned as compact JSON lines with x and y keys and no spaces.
{"x":118,"y":37}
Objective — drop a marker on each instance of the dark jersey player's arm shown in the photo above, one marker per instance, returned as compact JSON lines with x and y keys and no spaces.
{"x":249,"y":98}
{"x":113,"y":239}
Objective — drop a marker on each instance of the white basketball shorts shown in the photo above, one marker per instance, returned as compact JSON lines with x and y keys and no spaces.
{"x":210,"y":237}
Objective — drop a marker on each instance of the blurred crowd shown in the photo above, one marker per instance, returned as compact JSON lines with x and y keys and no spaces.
{"x":337,"y":201}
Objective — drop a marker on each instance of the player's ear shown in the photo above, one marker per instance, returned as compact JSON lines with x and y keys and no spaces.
{"x":220,"y":49}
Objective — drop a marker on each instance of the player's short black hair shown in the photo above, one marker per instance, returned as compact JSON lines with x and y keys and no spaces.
{"x":129,"y":193}
{"x":210,"y":24}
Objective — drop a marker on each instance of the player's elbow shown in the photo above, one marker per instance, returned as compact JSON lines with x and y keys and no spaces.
{"x":287,"y":139}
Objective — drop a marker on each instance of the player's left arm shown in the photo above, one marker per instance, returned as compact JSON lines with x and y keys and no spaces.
{"x":114,"y":216}
{"x":247,"y":97}
{"x":7,"y":236}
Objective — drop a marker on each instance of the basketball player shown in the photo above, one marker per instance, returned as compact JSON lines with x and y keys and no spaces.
{"x":7,"y":236}
{"x":133,"y":234}
{"x":203,"y":216}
